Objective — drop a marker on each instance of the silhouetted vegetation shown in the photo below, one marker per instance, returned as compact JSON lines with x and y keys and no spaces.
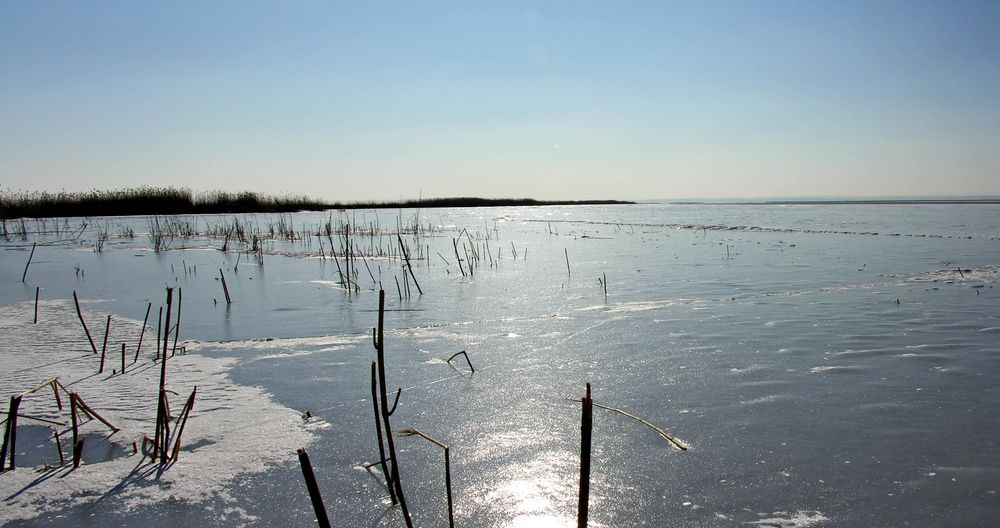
{"x":171,"y":200}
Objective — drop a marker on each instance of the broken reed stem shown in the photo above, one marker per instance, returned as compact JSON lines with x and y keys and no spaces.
{"x":225,"y":289}
{"x":79,"y":314}
{"x":406,"y":257}
{"x":462,"y":353}
{"x":314,"y":496}
{"x":447,"y":468}
{"x":55,"y":433}
{"x":568,"y":272}
{"x":77,"y":442}
{"x":586,"y":429}
{"x":185,"y":413}
{"x":93,"y":414}
{"x":25,"y":274}
{"x":36,"y":305}
{"x":384,"y":401}
{"x":142,"y":332}
{"x":159,"y":332}
{"x":10,"y":434}
{"x":673,"y":441}
{"x":605,"y":284}
{"x":162,"y":429}
{"x":177,"y":327}
{"x":454,"y":243}
{"x":378,"y":434}
{"x":123,"y":358}
{"x":104,"y":347}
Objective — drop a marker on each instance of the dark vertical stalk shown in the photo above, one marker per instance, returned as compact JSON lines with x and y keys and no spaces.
{"x":378,"y":433}
{"x":185,"y":413}
{"x":447,"y":485}
{"x":160,"y":440}
{"x":104,"y":347}
{"x":123,"y":358}
{"x":84,"y":323}
{"x":55,"y":433}
{"x":586,"y":428}
{"x":384,"y":401}
{"x":314,"y":496}
{"x":25,"y":274}
{"x":142,"y":332}
{"x":159,"y":332}
{"x":10,"y":434}
{"x":177,"y":328}
{"x":36,"y":305}
{"x":77,"y":442}
{"x":409,"y":266}
{"x":568,"y":272}
{"x":225,"y":290}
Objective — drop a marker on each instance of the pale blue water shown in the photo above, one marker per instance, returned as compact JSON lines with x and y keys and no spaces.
{"x":788,"y":366}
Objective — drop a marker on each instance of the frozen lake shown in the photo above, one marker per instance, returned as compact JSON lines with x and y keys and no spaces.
{"x":826,"y":364}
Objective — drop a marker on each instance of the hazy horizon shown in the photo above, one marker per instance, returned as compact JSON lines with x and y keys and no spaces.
{"x":377,"y":101}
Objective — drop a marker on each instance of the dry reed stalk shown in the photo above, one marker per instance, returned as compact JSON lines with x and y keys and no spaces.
{"x":10,"y":434}
{"x":142,"y":332}
{"x":25,"y":274}
{"x":454,"y":243}
{"x":36,"y":306}
{"x":159,"y":332}
{"x":77,"y":441}
{"x":177,"y":327}
{"x":387,"y":412}
{"x":225,"y":290}
{"x":378,"y":433}
{"x":680,"y":446}
{"x":162,"y":429}
{"x":569,"y":273}
{"x":185,"y":413}
{"x":586,"y":430}
{"x":447,"y":468}
{"x":104,"y":347}
{"x":92,"y":414}
{"x":462,"y":353}
{"x":406,"y":256}
{"x":123,"y":358}
{"x":55,"y":434}
{"x":313,"y":487}
{"x":79,"y":314}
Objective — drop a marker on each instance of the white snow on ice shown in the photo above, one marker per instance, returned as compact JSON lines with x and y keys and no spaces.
{"x":233,"y":430}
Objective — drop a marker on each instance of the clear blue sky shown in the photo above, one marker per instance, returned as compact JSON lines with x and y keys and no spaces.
{"x":380,"y":100}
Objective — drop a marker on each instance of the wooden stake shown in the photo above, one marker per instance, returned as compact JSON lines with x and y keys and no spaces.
{"x":84,"y":323}
{"x":314,"y":496}
{"x":586,"y":428}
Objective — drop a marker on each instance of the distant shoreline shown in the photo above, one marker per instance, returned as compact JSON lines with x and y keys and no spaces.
{"x":171,"y":201}
{"x":875,"y":201}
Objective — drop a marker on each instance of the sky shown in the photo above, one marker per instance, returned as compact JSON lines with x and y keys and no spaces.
{"x":380,"y":100}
